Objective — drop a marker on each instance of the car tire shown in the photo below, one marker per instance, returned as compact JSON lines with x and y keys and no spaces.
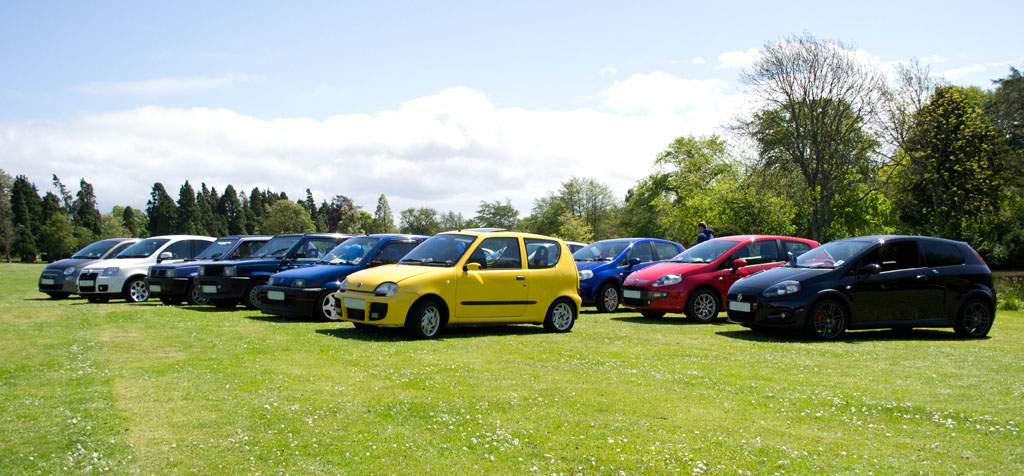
{"x":135,"y":290}
{"x":58,"y":296}
{"x":97,"y":299}
{"x":425,"y":319}
{"x":702,"y":306}
{"x":194,"y":298}
{"x":827,"y":319}
{"x":561,"y":316}
{"x":170,"y":300}
{"x":251,"y":298}
{"x":224,"y":303}
{"x":608,"y":298}
{"x":974,"y":319}
{"x":326,"y":308}
{"x":653,"y":314}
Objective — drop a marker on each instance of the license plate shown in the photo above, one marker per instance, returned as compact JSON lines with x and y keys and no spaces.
{"x":355,"y":303}
{"x":631,"y":293}
{"x":739,"y":306}
{"x":46,"y":281}
{"x":207,"y":289}
{"x":154,"y":288}
{"x":87,"y":282}
{"x":275,"y":295}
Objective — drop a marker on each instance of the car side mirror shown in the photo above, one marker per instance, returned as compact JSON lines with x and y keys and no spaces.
{"x":738,"y":263}
{"x":633,"y":262}
{"x":871,"y":268}
{"x":300,"y":254}
{"x":165,"y":255}
{"x":471,"y":267}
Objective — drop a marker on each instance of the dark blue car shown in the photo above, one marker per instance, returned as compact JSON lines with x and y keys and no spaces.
{"x":227,"y":284}
{"x":308,"y":292}
{"x":605,"y":264}
{"x":172,"y":283}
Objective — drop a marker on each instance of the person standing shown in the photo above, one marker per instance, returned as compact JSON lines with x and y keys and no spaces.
{"x":704,"y":233}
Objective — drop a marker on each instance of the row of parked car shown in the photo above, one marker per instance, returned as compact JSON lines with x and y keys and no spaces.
{"x":482,"y":276}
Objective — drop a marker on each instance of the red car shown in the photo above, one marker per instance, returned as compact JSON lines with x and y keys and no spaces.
{"x":696,"y":281}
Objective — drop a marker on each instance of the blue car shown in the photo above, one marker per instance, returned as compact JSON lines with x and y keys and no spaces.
{"x":172,"y":283}
{"x":605,"y":264}
{"x":225,"y":285}
{"x":308,"y":292}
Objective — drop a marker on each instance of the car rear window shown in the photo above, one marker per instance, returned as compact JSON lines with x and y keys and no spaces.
{"x":542,"y":254}
{"x":937,"y":253}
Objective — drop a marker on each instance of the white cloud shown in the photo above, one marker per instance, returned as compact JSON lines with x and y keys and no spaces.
{"x":159,"y":86}
{"x":698,"y":60}
{"x":737,"y":59}
{"x":449,"y":150}
{"x":609,"y":70}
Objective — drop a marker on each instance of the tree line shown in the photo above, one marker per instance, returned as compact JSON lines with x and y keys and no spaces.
{"x":833,"y":148}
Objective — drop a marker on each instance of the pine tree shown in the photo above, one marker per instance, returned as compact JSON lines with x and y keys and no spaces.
{"x":230,"y":208}
{"x":160,"y":210}
{"x":188,"y":218}
{"x":6,"y":215}
{"x":27,"y":216}
{"x":84,"y":210}
{"x":128,"y":217}
{"x":383,"y":219}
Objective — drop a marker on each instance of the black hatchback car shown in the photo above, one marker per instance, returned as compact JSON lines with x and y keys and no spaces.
{"x":871,"y":282}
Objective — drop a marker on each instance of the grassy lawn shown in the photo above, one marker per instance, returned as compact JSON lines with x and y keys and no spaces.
{"x":151,"y":389}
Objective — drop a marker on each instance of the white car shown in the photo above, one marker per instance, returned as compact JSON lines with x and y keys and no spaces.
{"x":574,"y":246}
{"x":124,"y":275}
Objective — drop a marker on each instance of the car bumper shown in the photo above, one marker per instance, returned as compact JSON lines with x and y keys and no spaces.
{"x":755,"y":311}
{"x":58,"y":283}
{"x":168,"y":286}
{"x":638,"y":297}
{"x":95,"y":284}
{"x":588,"y":291}
{"x":293,"y":302}
{"x":366,"y":308}
{"x":221,"y":287}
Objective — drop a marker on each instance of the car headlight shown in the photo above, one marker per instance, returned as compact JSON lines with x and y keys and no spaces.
{"x":386,"y":289}
{"x":586,"y":274}
{"x":667,"y":280}
{"x":69,"y":271}
{"x":202,"y":270}
{"x":299,"y":283}
{"x":344,"y":284}
{"x":111,"y":271}
{"x":230,"y":271}
{"x":782,"y":289}
{"x":172,"y":273}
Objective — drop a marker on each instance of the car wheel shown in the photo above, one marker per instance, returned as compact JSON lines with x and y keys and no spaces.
{"x":827,"y":320}
{"x":170,"y":300}
{"x":653,"y":314}
{"x":561,"y":316}
{"x":425,"y":319}
{"x":97,"y":299}
{"x":224,"y":303}
{"x":251,"y":298}
{"x":608,"y":298}
{"x":58,"y":296}
{"x":702,"y":306}
{"x":326,"y":309}
{"x":135,"y":290}
{"x":194,"y":298}
{"x":974,"y":319}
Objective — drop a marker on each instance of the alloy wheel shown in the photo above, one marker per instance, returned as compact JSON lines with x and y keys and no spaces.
{"x":561,"y":316}
{"x":138,"y":291}
{"x":430,"y":321}
{"x":829,"y":320}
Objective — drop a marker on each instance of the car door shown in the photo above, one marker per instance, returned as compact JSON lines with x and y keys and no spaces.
{"x":759,"y":255}
{"x":900,"y":291}
{"x":499,"y":289}
{"x":641,"y":251}
{"x":945,"y":264}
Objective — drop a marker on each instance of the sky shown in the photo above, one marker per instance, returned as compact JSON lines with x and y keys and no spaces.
{"x":433,"y":104}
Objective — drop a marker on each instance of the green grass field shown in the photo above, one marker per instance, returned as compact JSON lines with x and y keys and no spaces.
{"x":150,"y":389}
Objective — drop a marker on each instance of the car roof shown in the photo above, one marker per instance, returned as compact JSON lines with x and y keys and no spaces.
{"x":184,"y":237}
{"x":633,"y":240}
{"x":327,"y":235}
{"x":878,"y":238}
{"x":395,"y":236}
{"x":760,"y":237}
{"x":497,"y":232}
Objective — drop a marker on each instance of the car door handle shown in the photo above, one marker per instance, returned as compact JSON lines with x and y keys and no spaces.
{"x":520,"y":278}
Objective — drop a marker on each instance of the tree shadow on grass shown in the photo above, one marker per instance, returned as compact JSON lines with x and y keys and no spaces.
{"x":851,"y":337}
{"x":385,"y":334}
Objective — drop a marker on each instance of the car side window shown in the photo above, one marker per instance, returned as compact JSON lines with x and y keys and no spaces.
{"x":893,"y":256}
{"x":664,"y":251}
{"x":317,"y":247}
{"x":246,"y":249}
{"x":119,"y":248}
{"x":542,"y":254}
{"x":758,"y":252}
{"x":937,"y":253}
{"x":391,"y":252}
{"x":198,"y":246}
{"x":796,"y":247}
{"x":642,"y":251}
{"x":497,"y":253}
{"x":178,"y":250}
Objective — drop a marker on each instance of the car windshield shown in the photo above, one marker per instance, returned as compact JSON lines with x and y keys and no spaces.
{"x":95,"y":250}
{"x":351,"y":251}
{"x":439,"y":250}
{"x":600,"y":251}
{"x":831,"y":255}
{"x":217,"y":249}
{"x":277,"y":247}
{"x":705,"y":252}
{"x":143,"y":249}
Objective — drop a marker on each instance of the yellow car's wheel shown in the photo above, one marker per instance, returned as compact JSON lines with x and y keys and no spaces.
{"x":425,"y":319}
{"x":561,"y":316}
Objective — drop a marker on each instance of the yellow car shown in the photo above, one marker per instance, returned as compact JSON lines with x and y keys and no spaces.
{"x":477,"y":276}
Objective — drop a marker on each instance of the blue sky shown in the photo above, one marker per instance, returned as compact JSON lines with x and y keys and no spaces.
{"x":438,"y":104}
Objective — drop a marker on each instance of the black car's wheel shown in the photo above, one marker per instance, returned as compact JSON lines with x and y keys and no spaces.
{"x":827,"y":320}
{"x":170,"y":300}
{"x":194,"y":298}
{"x":425,"y":319}
{"x":58,"y":296}
{"x":97,"y":299}
{"x":325,"y":307}
{"x":974,"y":319}
{"x":608,"y":298}
{"x":224,"y":303}
{"x":251,"y":298}
{"x":702,"y":306}
{"x":652,"y":314}
{"x":135,"y":290}
{"x":561,"y":316}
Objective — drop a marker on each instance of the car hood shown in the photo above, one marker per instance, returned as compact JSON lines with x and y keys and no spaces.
{"x":69,"y":262}
{"x":768,"y":277}
{"x":395,"y":273}
{"x":318,"y":273}
{"x":185,"y":264}
{"x":658,"y":270}
{"x":594,"y":265}
{"x":124,"y":263}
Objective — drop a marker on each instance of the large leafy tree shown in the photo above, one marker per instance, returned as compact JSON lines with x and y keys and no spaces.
{"x":57,"y":237}
{"x":286,"y":217}
{"x":451,"y":220}
{"x":419,"y":221}
{"x":343,"y":216}
{"x":189,"y":219}
{"x":1006,"y":108}
{"x":6,"y":215}
{"x":497,"y":214}
{"x":160,"y":211}
{"x":130,"y":222}
{"x":587,"y":199}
